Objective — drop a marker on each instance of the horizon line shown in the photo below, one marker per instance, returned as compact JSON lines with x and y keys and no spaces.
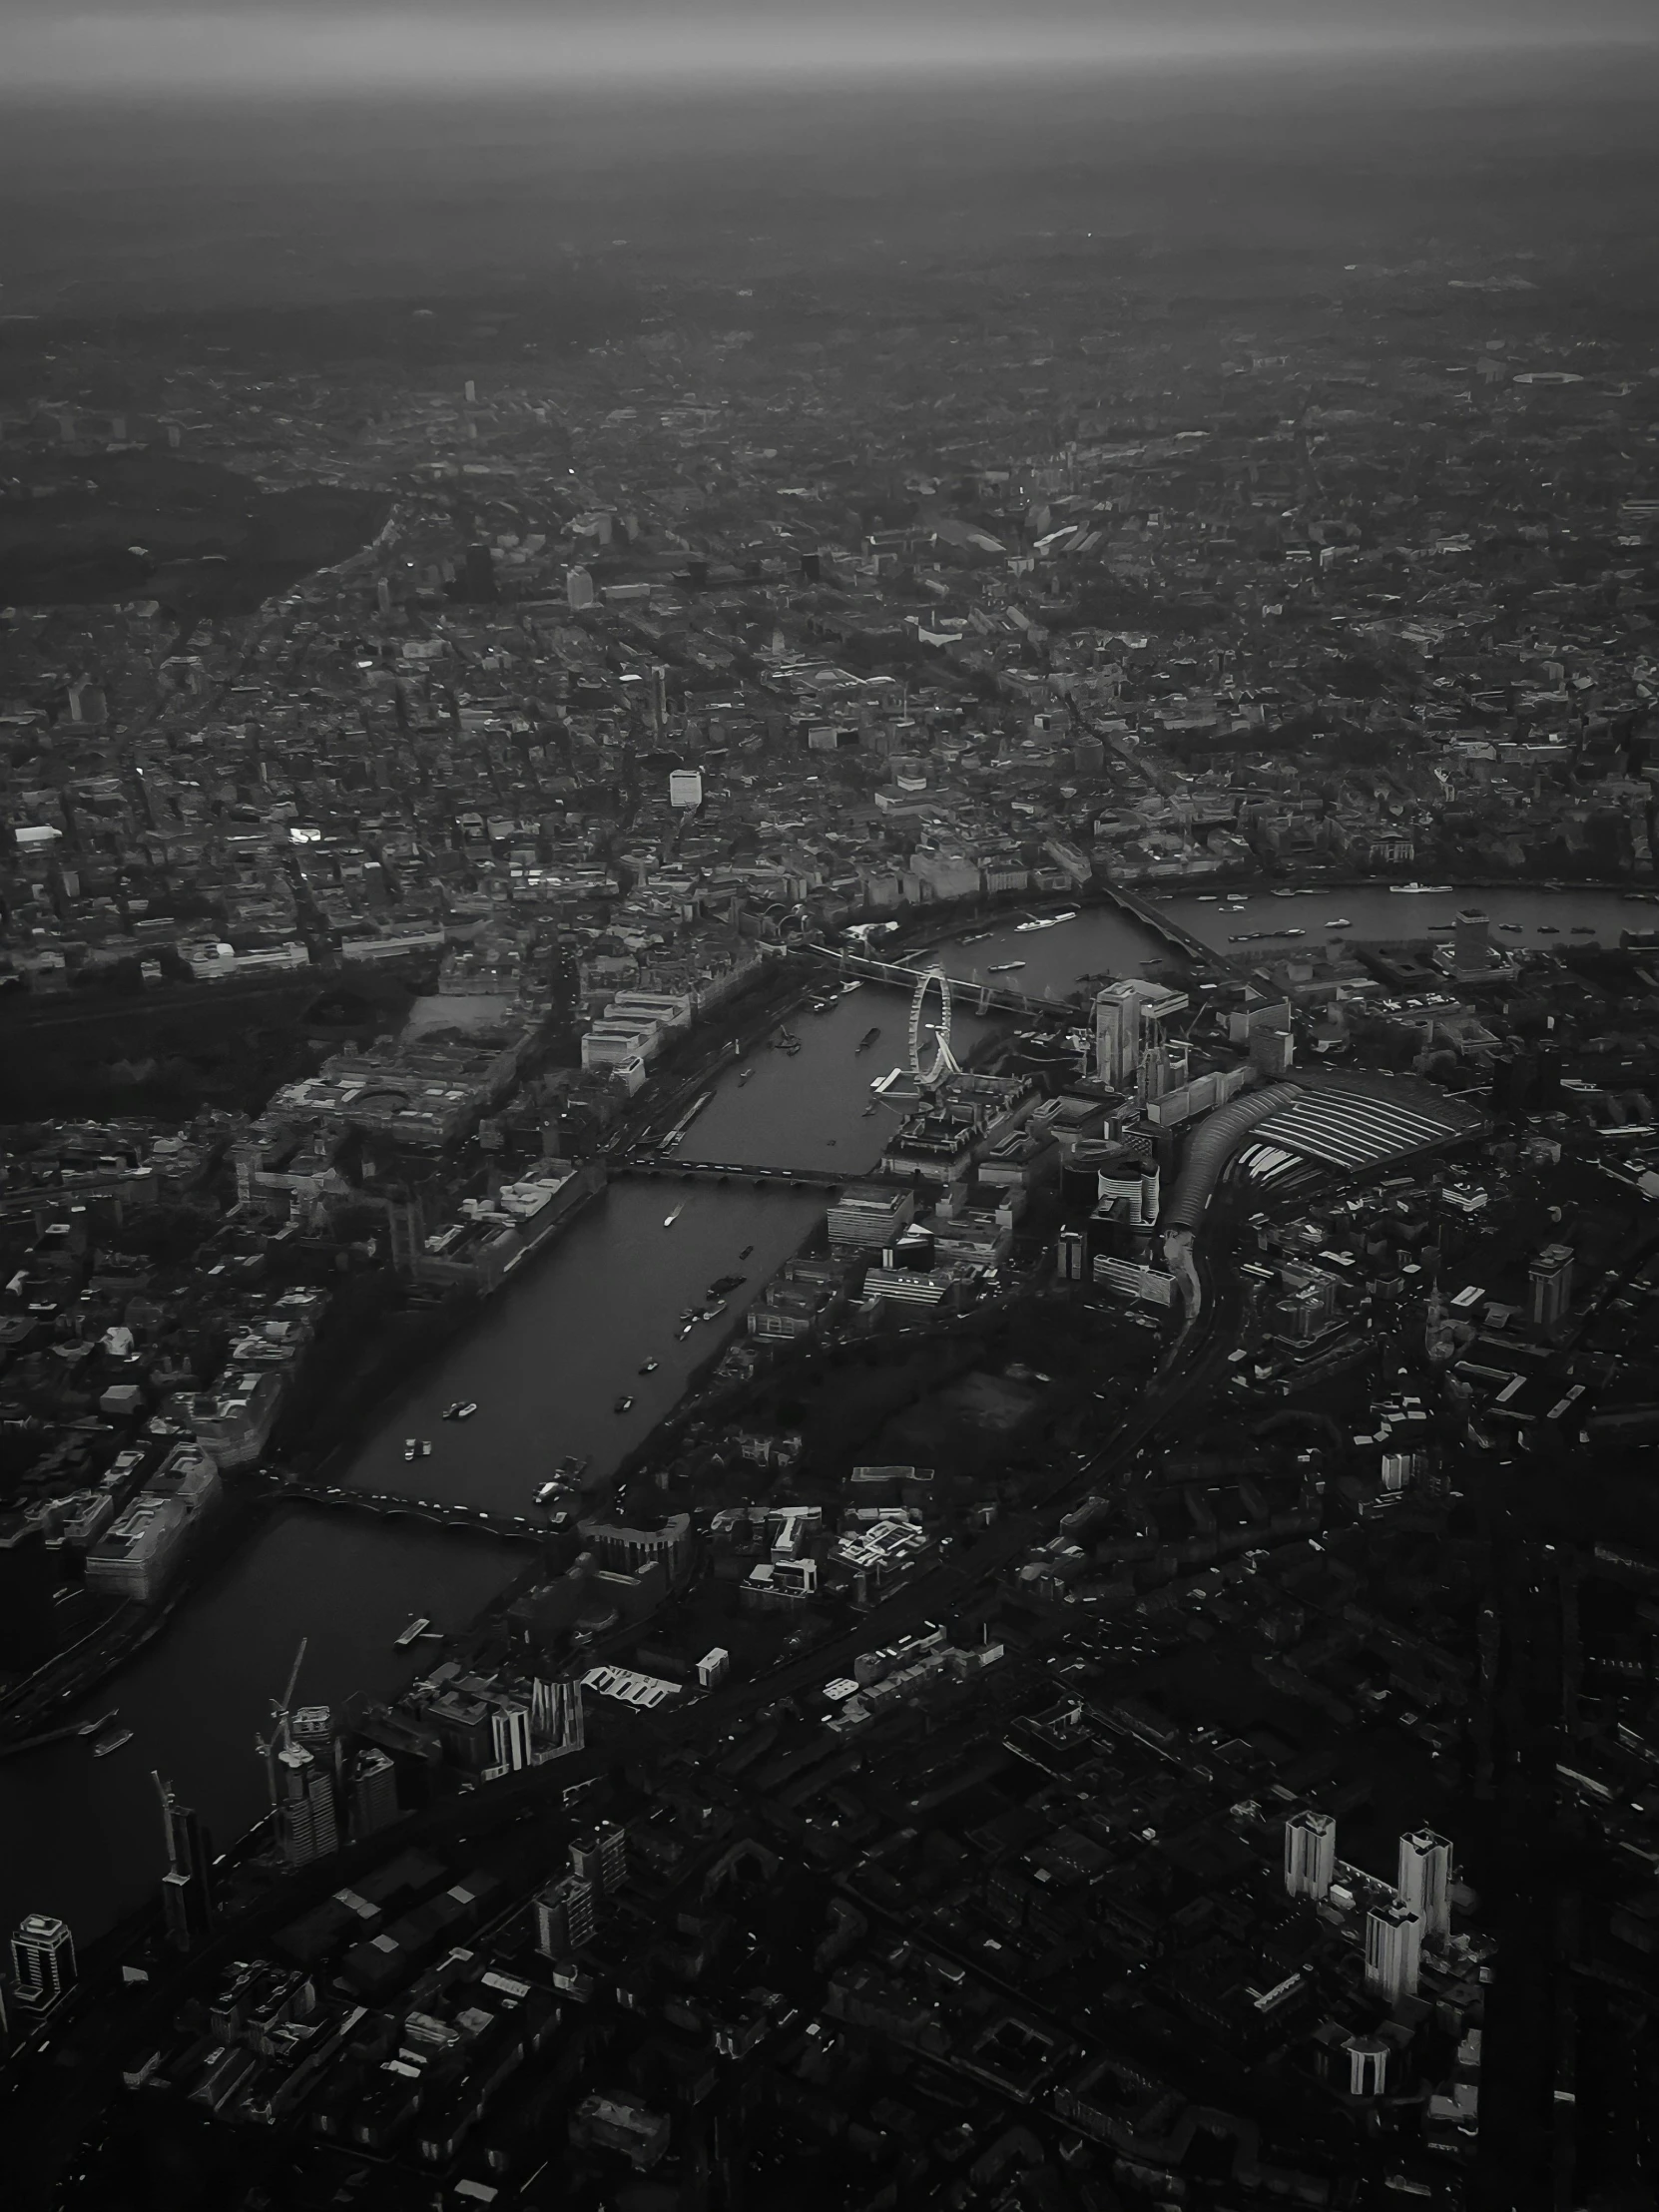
{"x":177,"y":55}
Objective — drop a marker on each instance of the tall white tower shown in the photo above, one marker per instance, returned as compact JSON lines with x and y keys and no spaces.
{"x":1425,"y":1881}
{"x":43,"y":1961}
{"x":1309,"y":1854}
{"x":1393,"y":1947}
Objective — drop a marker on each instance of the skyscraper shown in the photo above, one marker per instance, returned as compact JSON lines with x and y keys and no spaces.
{"x":1394,"y":1946}
{"x":613,"y":1854}
{"x":1425,"y":1883}
{"x":1117,"y":1036}
{"x":1310,"y":1855}
{"x":1549,"y":1286}
{"x":601,"y":1857}
{"x":509,"y":1737}
{"x":1471,"y":944}
{"x":373,"y":1796}
{"x":1129,"y":1051}
{"x":557,"y":1722}
{"x":43,"y":1961}
{"x":188,"y":1885}
{"x":564,"y":1917}
{"x":306,"y":1828}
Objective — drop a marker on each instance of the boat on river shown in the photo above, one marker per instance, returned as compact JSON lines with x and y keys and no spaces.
{"x":623,"y":1404}
{"x":1342,"y":922}
{"x":416,"y":1447}
{"x":418,"y":1628}
{"x":1005,"y":967}
{"x":106,"y":1744}
{"x":868,"y":1039}
{"x":648,"y":1366}
{"x":669,"y":1219}
{"x":97,"y":1727}
{"x":1419,"y":890}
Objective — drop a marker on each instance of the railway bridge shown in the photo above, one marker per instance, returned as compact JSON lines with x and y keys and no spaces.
{"x":979,"y":999}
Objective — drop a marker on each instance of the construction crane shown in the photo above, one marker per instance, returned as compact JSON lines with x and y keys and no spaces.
{"x":276,"y":1742}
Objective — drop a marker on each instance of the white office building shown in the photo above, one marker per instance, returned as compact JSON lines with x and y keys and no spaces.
{"x":1310,"y":1855}
{"x":43,"y":1961}
{"x":1394,"y":1948}
{"x":1424,"y":1881}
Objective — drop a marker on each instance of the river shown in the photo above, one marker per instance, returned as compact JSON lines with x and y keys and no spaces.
{"x":550,"y":1358}
{"x":1102,"y":940}
{"x":546,"y":1360}
{"x":82,"y":1837}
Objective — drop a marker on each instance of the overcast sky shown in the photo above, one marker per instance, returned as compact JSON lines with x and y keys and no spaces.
{"x":268,"y":46}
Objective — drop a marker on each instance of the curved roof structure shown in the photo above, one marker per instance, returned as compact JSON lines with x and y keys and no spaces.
{"x":1215,"y":1141}
{"x":1347,"y":1122}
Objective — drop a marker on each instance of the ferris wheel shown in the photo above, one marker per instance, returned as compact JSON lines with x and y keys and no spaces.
{"x":943,"y":1059}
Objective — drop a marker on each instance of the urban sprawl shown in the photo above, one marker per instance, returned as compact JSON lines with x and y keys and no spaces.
{"x":1205,"y":1444}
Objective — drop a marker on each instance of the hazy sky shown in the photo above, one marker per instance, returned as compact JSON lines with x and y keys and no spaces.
{"x":55,"y":47}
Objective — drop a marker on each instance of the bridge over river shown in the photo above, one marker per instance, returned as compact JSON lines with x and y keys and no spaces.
{"x":1163,"y":925}
{"x":727,"y":1171}
{"x":440,"y":1512}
